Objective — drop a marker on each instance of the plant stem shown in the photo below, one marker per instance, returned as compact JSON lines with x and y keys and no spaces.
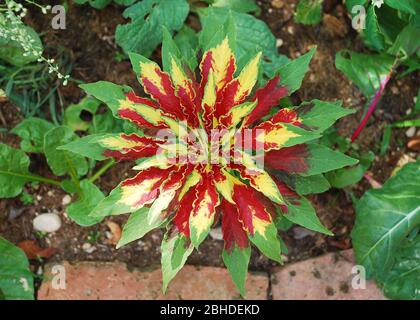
{"x":372,"y":107}
{"x":32,"y":177}
{"x":102,"y":170}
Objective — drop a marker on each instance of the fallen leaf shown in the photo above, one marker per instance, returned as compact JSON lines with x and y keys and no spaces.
{"x":115,"y":231}
{"x":33,"y":251}
{"x":414,"y":144}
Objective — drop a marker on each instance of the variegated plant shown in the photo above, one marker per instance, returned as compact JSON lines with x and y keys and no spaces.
{"x":178,"y":188}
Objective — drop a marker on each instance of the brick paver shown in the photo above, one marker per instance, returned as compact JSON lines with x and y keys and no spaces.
{"x":88,"y":280}
{"x":323,"y":278}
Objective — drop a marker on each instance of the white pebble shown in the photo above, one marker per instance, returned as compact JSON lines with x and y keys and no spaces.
{"x":410,"y":132}
{"x":66,"y":200}
{"x":47,"y":222}
{"x":279,"y":43}
{"x":216,"y":233}
{"x":88,"y":248}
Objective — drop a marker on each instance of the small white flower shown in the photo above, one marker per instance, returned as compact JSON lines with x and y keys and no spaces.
{"x":378,"y":3}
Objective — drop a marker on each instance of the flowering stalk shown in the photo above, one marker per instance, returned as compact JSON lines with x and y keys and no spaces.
{"x":13,"y":29}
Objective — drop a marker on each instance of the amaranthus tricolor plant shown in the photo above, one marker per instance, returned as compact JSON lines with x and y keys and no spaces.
{"x":212,"y":149}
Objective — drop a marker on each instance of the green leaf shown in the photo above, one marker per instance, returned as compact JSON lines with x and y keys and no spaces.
{"x":384,"y":218}
{"x":175,"y":251}
{"x":403,"y":279}
{"x":348,"y":176}
{"x":372,"y":32}
{"x":89,"y":196}
{"x":108,"y":93}
{"x":320,"y":115}
{"x":236,"y":261}
{"x":32,"y":132}
{"x":62,"y":162}
{"x":137,"y":226}
{"x":16,"y":280}
{"x":367,"y":71}
{"x":407,"y":42}
{"x":144,"y":33}
{"x":14,"y":166}
{"x":322,"y":159}
{"x":106,"y":123}
{"x":187,"y":41}
{"x":292,"y":74}
{"x":304,"y":215}
{"x":269,"y":244}
{"x":243,"y":6}
{"x":409,"y":6}
{"x":11,"y":51}
{"x":309,"y":12}
{"x":73,"y":112}
{"x":312,"y":184}
{"x":87,"y":146}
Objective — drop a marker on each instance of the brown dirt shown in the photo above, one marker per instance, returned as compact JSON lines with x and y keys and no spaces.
{"x":89,"y":41}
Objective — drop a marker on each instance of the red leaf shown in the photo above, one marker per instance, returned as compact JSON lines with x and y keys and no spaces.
{"x":33,"y":251}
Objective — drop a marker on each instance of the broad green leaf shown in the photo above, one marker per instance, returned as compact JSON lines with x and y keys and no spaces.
{"x":236,"y":261}
{"x":187,"y":42}
{"x":322,"y":159}
{"x":137,"y":226}
{"x":11,"y":51}
{"x":292,"y":74}
{"x":32,"y":132}
{"x":63,"y":162}
{"x":73,"y":112}
{"x":14,"y":166}
{"x":312,"y":184}
{"x":144,"y":33}
{"x":106,"y":123}
{"x":309,"y":12}
{"x":88,"y":197}
{"x":372,"y":33}
{"x":87,"y":146}
{"x":269,"y":244}
{"x":243,"y":6}
{"x":320,"y":115}
{"x":409,"y":6}
{"x":304,"y":215}
{"x":384,"y":218}
{"x":407,"y":42}
{"x":403,"y":279}
{"x":367,"y":71}
{"x":108,"y":93}
{"x":175,"y":251}
{"x":348,"y":176}
{"x":16,"y":280}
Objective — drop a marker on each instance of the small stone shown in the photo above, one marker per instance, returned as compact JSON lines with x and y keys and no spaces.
{"x":38,"y":197}
{"x":66,"y":200}
{"x":278,"y":4}
{"x":50,"y":193}
{"x":410,"y":132}
{"x":47,"y":222}
{"x":216,"y":233}
{"x":88,"y":248}
{"x":290,"y":30}
{"x":279,"y":43}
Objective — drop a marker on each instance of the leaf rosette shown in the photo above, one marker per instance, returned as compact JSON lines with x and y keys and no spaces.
{"x":212,"y":149}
